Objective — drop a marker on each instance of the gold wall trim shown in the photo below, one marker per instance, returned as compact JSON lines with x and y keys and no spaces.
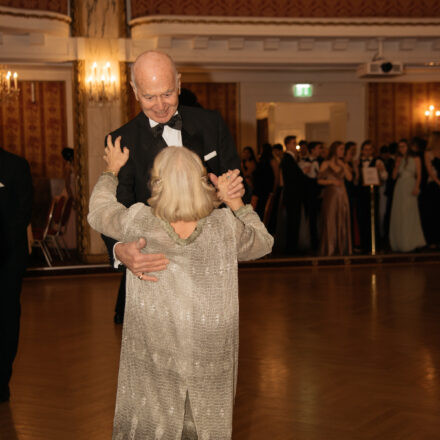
{"x":82,"y":166}
{"x":34,"y":14}
{"x":280,"y":22}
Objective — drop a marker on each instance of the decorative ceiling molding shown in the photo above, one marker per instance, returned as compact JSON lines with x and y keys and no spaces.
{"x":261,"y":21}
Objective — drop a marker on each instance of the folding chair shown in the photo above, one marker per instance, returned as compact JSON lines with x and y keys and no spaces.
{"x":40,"y":235}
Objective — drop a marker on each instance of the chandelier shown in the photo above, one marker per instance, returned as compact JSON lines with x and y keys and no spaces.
{"x":101,"y":84}
{"x":432,"y":118}
{"x":8,"y":84}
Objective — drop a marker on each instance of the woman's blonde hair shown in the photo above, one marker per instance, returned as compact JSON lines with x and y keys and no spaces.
{"x":180,"y":190}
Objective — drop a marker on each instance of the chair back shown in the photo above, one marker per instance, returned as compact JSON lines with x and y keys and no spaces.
{"x":66,"y":212}
{"x":49,"y":219}
{"x":58,"y":210}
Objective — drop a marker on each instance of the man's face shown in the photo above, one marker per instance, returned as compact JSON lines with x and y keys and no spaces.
{"x":158,"y":94}
{"x":291,"y":146}
{"x":368,"y":150}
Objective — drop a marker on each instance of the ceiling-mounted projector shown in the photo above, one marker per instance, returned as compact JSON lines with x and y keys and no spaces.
{"x":380,"y":68}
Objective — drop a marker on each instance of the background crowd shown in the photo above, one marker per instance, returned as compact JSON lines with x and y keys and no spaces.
{"x":314,"y":200}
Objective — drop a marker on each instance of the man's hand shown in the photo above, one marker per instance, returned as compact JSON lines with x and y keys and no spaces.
{"x":130,"y":255}
{"x":235,"y":187}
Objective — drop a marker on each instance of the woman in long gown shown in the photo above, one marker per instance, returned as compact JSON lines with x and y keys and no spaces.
{"x":178,"y":366}
{"x":335,"y":208}
{"x":406,"y":232}
{"x":432,"y":190}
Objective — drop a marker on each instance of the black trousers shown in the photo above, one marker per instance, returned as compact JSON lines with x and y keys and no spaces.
{"x":293,"y":218}
{"x":364,"y":218}
{"x":11,"y":276}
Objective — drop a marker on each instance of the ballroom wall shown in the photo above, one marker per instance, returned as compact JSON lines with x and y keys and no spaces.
{"x":397,"y":110}
{"x":234,"y":54}
{"x":35,"y":126}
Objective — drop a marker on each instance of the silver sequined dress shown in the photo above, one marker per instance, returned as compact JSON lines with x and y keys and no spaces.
{"x":180,"y":334}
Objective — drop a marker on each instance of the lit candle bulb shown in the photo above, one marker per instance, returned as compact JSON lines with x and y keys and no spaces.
{"x":15,"y":81}
{"x":8,"y":81}
{"x":431,"y":108}
{"x":427,"y":113}
{"x":109,"y":72}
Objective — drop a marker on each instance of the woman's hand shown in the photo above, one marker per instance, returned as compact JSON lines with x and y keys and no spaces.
{"x":223,"y":184}
{"x":415,"y":191}
{"x":114,"y":156}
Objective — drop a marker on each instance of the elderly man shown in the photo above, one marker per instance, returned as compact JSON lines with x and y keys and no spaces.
{"x":161,"y":123}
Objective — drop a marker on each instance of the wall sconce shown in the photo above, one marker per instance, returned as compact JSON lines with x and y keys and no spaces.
{"x":101,"y":84}
{"x":432,"y":118}
{"x":8,"y":84}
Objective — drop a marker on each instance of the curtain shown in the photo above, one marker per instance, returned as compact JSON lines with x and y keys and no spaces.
{"x":397,"y":110}
{"x":36,"y":130}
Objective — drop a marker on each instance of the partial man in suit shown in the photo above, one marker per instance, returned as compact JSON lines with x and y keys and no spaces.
{"x":15,"y":212}
{"x":161,"y":123}
{"x":294,"y":185}
{"x":310,"y":167}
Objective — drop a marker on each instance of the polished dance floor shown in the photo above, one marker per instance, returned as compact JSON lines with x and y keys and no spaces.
{"x":326,"y":353}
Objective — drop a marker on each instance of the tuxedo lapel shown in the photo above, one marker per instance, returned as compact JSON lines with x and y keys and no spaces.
{"x":150,"y":145}
{"x":192,"y":138}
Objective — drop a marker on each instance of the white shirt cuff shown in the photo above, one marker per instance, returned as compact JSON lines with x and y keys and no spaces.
{"x":116,"y":262}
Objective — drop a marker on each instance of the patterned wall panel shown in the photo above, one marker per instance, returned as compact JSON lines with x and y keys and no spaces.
{"x":397,"y":110}
{"x":59,"y":6}
{"x":287,"y":8}
{"x":37,"y":131}
{"x":222,"y":97}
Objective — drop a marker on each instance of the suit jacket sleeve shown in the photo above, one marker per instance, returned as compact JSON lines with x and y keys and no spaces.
{"x":229,"y":159}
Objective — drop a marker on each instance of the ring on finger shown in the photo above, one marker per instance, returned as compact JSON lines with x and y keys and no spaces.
{"x":141,"y":275}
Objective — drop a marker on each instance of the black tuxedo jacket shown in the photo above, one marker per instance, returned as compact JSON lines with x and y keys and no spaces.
{"x":15,"y":206}
{"x":294,"y":180}
{"x":203,"y":131}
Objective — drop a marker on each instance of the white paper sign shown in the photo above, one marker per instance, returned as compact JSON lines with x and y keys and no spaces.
{"x":370,"y":176}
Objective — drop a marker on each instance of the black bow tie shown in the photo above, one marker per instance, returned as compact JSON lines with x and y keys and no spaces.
{"x":175,"y":122}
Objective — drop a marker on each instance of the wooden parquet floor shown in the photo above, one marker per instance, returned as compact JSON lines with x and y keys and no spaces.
{"x":346,"y":353}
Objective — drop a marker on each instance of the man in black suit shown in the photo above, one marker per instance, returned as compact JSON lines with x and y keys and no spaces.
{"x":162,"y":122}
{"x":294,"y":188}
{"x":15,"y":213}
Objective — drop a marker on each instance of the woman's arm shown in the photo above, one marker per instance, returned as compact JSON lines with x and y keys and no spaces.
{"x":252,"y":239}
{"x":396,"y":167}
{"x":276,"y":172}
{"x":347,"y":172}
{"x":322,"y":180}
{"x":106,"y":214}
{"x":416,"y":189}
{"x":430,"y":168}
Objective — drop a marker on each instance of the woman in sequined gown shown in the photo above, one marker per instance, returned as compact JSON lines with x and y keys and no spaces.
{"x":335,"y":208}
{"x":179,"y":354}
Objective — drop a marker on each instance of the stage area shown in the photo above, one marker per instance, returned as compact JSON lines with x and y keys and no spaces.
{"x":326,"y":353}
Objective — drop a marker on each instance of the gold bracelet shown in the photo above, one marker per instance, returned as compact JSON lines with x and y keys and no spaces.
{"x":113,"y":173}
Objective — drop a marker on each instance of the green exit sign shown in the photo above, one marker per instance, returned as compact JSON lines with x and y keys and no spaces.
{"x":303,"y":90}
